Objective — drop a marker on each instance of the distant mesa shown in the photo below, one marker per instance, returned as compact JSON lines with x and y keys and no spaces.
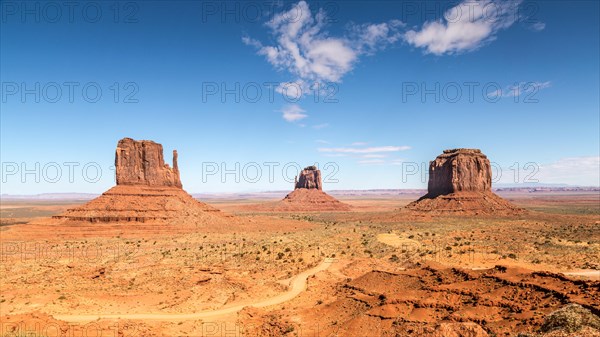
{"x":307,"y":196}
{"x":147,"y":190}
{"x":460,"y":181}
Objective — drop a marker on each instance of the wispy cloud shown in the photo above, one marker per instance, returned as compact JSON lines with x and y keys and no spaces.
{"x":320,"y":126}
{"x":359,"y":144}
{"x":527,"y":87}
{"x":307,"y":50}
{"x":538,"y":26}
{"x":582,"y":171}
{"x":521,"y":88}
{"x":373,"y":156}
{"x":321,"y":141}
{"x":353,"y":150}
{"x":293,"y":113}
{"x":335,"y":155}
{"x":574,"y":170}
{"x":372,"y":162}
{"x":465,"y":27}
{"x":398,"y":161}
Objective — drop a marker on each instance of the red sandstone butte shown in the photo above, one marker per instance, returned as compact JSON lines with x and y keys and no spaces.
{"x":460,"y":181}
{"x":142,"y":163}
{"x":308,"y":194}
{"x":147,"y":190}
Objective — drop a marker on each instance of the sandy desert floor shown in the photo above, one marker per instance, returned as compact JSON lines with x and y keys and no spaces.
{"x":377,"y":270}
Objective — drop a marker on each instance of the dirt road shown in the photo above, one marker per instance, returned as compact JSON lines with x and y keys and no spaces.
{"x":297,"y":285}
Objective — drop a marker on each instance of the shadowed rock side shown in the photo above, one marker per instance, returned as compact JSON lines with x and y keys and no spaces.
{"x":147,"y":190}
{"x":460,"y":181}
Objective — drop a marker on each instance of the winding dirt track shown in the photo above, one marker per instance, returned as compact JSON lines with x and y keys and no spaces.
{"x":297,"y":285}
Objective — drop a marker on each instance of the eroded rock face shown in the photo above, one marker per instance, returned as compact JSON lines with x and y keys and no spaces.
{"x":142,"y":163}
{"x":147,"y":191}
{"x":459,"y":170}
{"x":460,"y":182}
{"x":309,"y":178}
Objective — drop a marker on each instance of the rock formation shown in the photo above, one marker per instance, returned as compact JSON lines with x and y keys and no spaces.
{"x":459,"y":170}
{"x":460,"y":181}
{"x":147,"y":190}
{"x":142,"y":163}
{"x":307,"y":196}
{"x":309,"y":178}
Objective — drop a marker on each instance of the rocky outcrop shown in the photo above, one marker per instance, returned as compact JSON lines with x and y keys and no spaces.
{"x":307,"y":196}
{"x":142,"y":163}
{"x":309,"y":178}
{"x":147,"y":190}
{"x":460,"y":182}
{"x":571,"y":318}
{"x":459,"y":170}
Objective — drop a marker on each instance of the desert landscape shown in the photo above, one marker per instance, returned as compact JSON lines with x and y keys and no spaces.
{"x":300,"y":168}
{"x":147,"y":259}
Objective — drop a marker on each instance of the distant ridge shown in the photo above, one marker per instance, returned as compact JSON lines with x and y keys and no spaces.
{"x":279,"y":194}
{"x":50,"y":196}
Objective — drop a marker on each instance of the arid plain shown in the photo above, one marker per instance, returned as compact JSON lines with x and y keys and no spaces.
{"x":152,"y":261}
{"x":165,"y":275}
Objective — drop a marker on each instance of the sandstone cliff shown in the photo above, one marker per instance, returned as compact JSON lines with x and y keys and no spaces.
{"x":142,"y":163}
{"x":459,"y":170}
{"x":309,"y":178}
{"x":147,"y":190}
{"x":460,"y":182}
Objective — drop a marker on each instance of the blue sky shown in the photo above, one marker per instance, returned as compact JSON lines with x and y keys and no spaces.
{"x":379,"y":83}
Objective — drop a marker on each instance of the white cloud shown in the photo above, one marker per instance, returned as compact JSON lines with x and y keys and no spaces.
{"x":465,"y":27}
{"x":321,"y":141}
{"x":583,"y":171}
{"x":293,"y":112}
{"x":520,"y":88}
{"x":538,"y":26}
{"x":366,"y":150}
{"x":305,"y":49}
{"x":369,"y":38}
{"x":526,"y":88}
